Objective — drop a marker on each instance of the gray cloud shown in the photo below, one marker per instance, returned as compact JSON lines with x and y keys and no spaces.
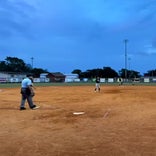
{"x":14,"y":19}
{"x":148,"y":52}
{"x":92,"y":28}
{"x":146,"y":11}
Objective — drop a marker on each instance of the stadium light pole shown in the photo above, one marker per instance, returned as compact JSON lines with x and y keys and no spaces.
{"x":125,"y":43}
{"x":129,"y":59}
{"x":32,"y":61}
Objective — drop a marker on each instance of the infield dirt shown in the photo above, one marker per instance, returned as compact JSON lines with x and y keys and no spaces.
{"x":118,"y":121}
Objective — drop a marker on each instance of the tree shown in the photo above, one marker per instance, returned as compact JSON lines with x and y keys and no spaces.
{"x":108,"y":72}
{"x":3,"y":66}
{"x":76,"y":71}
{"x":130,"y":74}
{"x":37,"y":71}
{"x":13,"y":64}
{"x":150,"y":73}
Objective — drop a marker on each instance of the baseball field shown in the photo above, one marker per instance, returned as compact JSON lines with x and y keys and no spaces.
{"x":76,"y":121}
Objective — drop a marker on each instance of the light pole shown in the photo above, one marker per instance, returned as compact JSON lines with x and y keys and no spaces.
{"x":129,"y":67}
{"x":32,"y":61}
{"x":129,"y":59}
{"x":125,"y":43}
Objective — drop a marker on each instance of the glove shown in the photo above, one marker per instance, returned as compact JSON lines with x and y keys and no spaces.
{"x":32,"y":94}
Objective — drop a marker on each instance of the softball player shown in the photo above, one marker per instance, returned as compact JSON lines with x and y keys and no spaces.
{"x":97,"y":84}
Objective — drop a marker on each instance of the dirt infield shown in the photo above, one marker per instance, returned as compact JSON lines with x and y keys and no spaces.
{"x":118,"y":121}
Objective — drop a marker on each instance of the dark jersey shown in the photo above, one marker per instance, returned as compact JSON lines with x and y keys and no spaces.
{"x":97,"y":80}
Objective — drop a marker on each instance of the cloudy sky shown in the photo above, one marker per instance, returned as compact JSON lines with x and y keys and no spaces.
{"x":63,"y":35}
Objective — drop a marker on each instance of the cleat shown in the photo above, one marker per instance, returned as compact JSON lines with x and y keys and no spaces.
{"x":35,"y":107}
{"x":22,"y":108}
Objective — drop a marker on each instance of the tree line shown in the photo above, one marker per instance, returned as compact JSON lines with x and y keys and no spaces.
{"x":17,"y":65}
{"x":107,"y":72}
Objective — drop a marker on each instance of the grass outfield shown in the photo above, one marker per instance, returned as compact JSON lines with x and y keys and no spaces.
{"x":14,"y":85}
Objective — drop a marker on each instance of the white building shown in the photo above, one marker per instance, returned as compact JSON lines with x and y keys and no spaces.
{"x":11,"y":77}
{"x":72,"y":78}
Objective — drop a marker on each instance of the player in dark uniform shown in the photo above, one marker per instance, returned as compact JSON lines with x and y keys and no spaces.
{"x":97,"y":84}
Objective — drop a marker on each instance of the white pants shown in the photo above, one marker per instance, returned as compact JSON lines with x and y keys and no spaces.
{"x":97,"y":86}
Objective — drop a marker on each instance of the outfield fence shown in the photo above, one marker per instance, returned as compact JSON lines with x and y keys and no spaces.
{"x":84,"y":80}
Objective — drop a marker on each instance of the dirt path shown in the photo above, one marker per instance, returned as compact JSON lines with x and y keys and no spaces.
{"x":118,"y":121}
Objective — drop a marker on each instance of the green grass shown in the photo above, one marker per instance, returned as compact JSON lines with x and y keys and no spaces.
{"x":16,"y":85}
{"x":9,"y":85}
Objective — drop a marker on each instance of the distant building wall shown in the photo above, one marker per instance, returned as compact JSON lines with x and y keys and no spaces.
{"x":72,"y":78}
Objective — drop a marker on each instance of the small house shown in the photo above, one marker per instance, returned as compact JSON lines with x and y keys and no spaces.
{"x":52,"y":77}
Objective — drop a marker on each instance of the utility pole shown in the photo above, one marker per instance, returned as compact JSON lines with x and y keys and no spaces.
{"x":129,"y":59}
{"x":125,"y":43}
{"x":32,"y":61}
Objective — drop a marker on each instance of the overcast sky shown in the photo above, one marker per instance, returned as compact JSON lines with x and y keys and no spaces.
{"x":63,"y":35}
